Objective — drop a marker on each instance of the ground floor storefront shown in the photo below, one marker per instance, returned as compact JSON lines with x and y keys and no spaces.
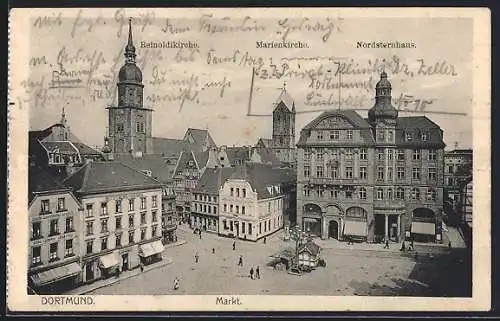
{"x":99,"y":267}
{"x":373,"y":225}
{"x":56,"y":280}
{"x":204,"y":222}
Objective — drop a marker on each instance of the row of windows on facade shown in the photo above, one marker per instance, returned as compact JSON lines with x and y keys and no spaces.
{"x":266,"y":226}
{"x":274,"y":205}
{"x":363,"y":173}
{"x":236,"y":192}
{"x":139,"y":127}
{"x":380,"y":193}
{"x":381,"y":135}
{"x":118,"y":223}
{"x":118,"y":206}
{"x":399,"y":154}
{"x":206,"y":198}
{"x":205,"y":208}
{"x":55,"y":158}
{"x":36,"y":252}
{"x":61,"y":205}
{"x":37,"y":233}
{"x":118,"y":239}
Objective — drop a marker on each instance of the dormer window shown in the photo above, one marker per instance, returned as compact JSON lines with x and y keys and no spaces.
{"x":190,"y":163}
{"x":409,"y":136}
{"x":349,"y":134}
{"x":334,"y":135}
{"x":270,"y":190}
{"x":320,"y":135}
{"x":381,"y":135}
{"x":425,"y":136}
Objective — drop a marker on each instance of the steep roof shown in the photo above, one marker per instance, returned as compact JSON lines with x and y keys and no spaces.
{"x":267,"y":156}
{"x":201,"y":158}
{"x":158,"y":165}
{"x":170,"y":147}
{"x":39,"y":181}
{"x":416,"y":125}
{"x":98,"y":177}
{"x":351,"y":116}
{"x":63,"y":147}
{"x":199,"y":135}
{"x":212,"y":179}
{"x":285,"y":101}
{"x":265,"y":142}
{"x":183,"y":162}
{"x":85,"y":150}
{"x":235,"y":153}
{"x":310,"y":247}
{"x":261,"y":176}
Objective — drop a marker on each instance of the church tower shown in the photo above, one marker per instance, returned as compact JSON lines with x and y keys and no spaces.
{"x":130,"y":124}
{"x":283,"y":143}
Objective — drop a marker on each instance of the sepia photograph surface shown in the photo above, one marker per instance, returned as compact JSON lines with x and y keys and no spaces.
{"x":249,"y":159}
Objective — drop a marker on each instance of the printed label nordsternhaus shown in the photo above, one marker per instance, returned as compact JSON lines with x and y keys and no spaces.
{"x":281,"y":44}
{"x":162,"y":44}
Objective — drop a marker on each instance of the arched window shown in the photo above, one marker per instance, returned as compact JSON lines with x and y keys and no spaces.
{"x":431,"y":194}
{"x":380,"y":194}
{"x":362,"y":193}
{"x":415,"y":194}
{"x":400,"y":193}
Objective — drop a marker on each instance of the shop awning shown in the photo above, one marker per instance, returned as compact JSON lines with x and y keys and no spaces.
{"x":310,"y":219}
{"x":355,"y":228}
{"x":149,"y":249}
{"x":56,"y":274}
{"x":109,"y":260}
{"x":423,"y":228}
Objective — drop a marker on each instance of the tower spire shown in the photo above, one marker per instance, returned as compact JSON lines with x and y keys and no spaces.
{"x":130,"y":48}
{"x":63,"y":118}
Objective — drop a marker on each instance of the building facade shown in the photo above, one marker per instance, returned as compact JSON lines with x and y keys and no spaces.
{"x":252,"y":202}
{"x":54,"y":244}
{"x":373,"y":179}
{"x":457,"y":168}
{"x":205,"y":205}
{"x":121,"y":218}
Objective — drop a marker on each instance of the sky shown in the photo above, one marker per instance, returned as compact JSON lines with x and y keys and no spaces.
{"x":74,"y":57}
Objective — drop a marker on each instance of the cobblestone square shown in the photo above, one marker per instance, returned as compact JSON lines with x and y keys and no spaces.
{"x":348,"y":272}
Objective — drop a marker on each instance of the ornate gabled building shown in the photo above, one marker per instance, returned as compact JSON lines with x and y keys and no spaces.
{"x":376,"y":178}
{"x":58,"y":150}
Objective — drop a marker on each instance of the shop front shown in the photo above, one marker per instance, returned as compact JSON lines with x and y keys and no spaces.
{"x":151,"y":252}
{"x":56,"y":280}
{"x":169,"y":233}
{"x":311,"y":219}
{"x":110,"y":264}
{"x":355,"y":224}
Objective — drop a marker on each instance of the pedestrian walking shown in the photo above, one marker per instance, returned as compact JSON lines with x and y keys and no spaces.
{"x":257,"y":273}
{"x":349,"y":240}
{"x":240,"y":261}
{"x":265,"y":239}
{"x":200,"y":234}
{"x":213,"y":250}
{"x":142,"y":267}
{"x":251,"y":273}
{"x":117,"y":273}
{"x":234,"y":245}
{"x":386,"y":246}
{"x":196,"y":257}
{"x":449,"y":245}
{"x":410,"y":248}
{"x":176,"y":283}
{"x":403,"y":247}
